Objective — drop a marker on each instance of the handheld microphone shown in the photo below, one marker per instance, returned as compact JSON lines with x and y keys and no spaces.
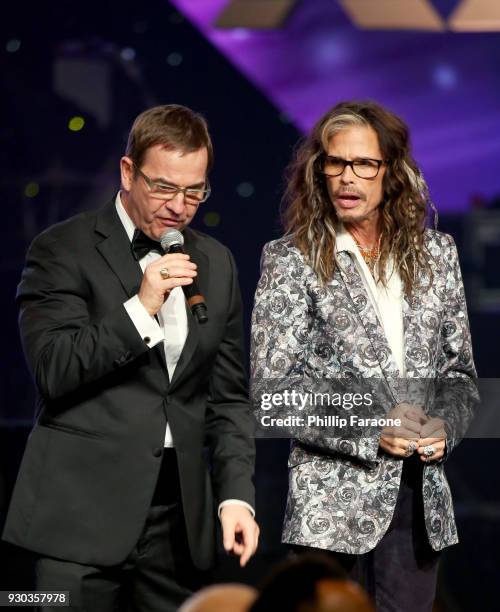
{"x":172,"y":241}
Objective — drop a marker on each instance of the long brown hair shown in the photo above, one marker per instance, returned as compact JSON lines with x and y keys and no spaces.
{"x":309,"y":216}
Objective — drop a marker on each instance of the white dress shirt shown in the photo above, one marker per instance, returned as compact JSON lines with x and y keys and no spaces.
{"x":386,"y":300}
{"x":171,"y":328}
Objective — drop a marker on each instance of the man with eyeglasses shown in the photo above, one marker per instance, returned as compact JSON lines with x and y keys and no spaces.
{"x":143,"y":430}
{"x":359,"y":297}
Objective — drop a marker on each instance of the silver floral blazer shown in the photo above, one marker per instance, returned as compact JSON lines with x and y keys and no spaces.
{"x":342,"y":492}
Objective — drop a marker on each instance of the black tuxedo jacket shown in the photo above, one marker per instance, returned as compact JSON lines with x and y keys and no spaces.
{"x":91,"y":463}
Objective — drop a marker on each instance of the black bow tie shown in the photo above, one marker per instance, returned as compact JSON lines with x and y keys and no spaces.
{"x":142,"y":245}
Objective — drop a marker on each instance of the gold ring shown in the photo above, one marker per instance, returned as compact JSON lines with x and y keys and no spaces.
{"x":164,"y":273}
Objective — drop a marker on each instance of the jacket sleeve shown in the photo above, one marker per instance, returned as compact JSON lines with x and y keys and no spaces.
{"x":456,"y":395}
{"x":65,"y":348}
{"x":229,"y":424}
{"x":282,"y":326}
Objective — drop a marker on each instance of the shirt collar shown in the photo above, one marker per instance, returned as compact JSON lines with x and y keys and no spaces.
{"x":344,"y":241}
{"x":127,"y":222}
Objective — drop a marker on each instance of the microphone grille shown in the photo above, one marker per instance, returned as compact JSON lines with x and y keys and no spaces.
{"x":171,"y":237}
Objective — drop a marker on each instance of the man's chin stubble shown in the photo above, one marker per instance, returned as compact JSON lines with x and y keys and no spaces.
{"x":348,"y":217}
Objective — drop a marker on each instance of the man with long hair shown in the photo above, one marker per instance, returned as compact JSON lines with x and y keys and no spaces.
{"x":359,"y":290}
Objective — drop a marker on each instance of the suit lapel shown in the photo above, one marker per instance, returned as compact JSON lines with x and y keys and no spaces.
{"x":421,"y":333}
{"x":201,"y":260}
{"x":115,"y":249}
{"x":363,"y":307}
{"x":420,"y":339}
{"x":410,"y":330}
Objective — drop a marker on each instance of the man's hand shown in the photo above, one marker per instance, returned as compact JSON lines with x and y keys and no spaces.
{"x":155,"y":289}
{"x":432,"y":434}
{"x":397,"y":441}
{"x":240,"y":532}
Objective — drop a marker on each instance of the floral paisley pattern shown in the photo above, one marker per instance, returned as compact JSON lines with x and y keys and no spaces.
{"x":342,"y":492}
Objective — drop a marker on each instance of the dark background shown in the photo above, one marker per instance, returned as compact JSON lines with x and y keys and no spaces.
{"x":107,"y":62}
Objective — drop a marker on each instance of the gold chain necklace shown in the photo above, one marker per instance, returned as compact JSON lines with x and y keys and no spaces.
{"x":369,"y":254}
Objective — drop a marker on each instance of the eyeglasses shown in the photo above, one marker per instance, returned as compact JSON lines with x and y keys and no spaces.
{"x":365,"y":168}
{"x":164,"y":191}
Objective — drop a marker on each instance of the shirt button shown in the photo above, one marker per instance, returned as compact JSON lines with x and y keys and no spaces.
{"x":147,"y":339}
{"x":157,"y":452}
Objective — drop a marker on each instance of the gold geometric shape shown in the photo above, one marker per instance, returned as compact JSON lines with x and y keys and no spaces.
{"x":255,"y":14}
{"x":394,"y":15}
{"x":476,"y":16}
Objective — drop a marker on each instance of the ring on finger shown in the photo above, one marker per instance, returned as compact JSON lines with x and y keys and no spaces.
{"x":165,"y":273}
{"x":412,"y":447}
{"x":429,"y":450}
